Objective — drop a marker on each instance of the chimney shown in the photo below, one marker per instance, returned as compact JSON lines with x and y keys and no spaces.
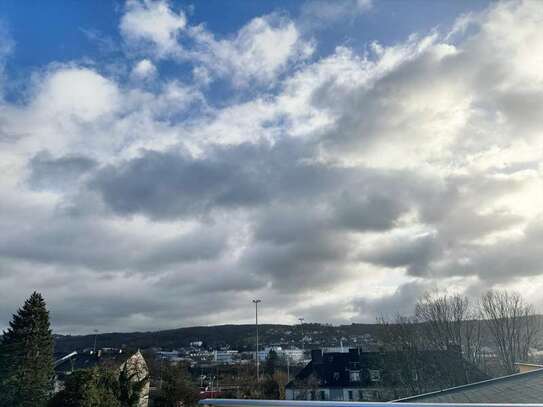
{"x":316,"y":356}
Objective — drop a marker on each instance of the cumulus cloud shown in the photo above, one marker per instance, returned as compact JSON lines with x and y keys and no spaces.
{"x":144,"y":69}
{"x":259,"y":51}
{"x":154,"y":23}
{"x":407,"y":167}
{"x":49,"y":173}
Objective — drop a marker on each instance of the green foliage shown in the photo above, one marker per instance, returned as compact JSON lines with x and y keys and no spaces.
{"x":176,"y":386}
{"x":97,"y":387}
{"x":26,"y":357}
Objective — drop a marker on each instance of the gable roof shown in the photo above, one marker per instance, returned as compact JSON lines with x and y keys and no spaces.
{"x":515,"y":389}
{"x":446,"y":368}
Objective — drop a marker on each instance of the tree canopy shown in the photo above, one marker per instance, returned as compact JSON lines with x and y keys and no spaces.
{"x":26,"y":356}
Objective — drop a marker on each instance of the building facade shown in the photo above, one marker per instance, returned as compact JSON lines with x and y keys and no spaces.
{"x":379,"y":376}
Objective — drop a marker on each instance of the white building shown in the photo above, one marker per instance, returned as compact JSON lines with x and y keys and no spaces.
{"x":226,"y":356}
{"x":293,"y":355}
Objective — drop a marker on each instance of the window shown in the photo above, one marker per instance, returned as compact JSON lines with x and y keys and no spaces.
{"x":354,"y":365}
{"x":323,"y":395}
{"x":360,"y":395}
{"x":336,"y":375}
{"x":375,"y":375}
{"x":350,"y":394}
{"x":354,"y":375}
{"x":312,"y":394}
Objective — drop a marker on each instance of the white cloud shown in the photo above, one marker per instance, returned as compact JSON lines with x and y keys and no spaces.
{"x":406,"y":167}
{"x":144,"y":69}
{"x":258,"y":52}
{"x":154,"y":22}
{"x":77,"y":92}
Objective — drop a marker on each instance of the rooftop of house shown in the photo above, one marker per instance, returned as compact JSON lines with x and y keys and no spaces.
{"x":334,"y":369}
{"x":85,"y":360}
{"x":517,"y":388}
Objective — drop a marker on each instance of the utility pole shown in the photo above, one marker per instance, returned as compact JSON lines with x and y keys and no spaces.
{"x":288,"y":369}
{"x":94,"y":349}
{"x":303,"y":338}
{"x":161,"y":361}
{"x":256,"y":302}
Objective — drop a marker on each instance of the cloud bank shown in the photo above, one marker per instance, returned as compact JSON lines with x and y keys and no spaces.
{"x":336,"y":186}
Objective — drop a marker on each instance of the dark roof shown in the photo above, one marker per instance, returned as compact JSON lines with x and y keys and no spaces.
{"x":88,"y":360}
{"x":445,"y":368}
{"x":515,"y":389}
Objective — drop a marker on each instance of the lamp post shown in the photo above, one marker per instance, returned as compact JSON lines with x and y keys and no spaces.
{"x":302,"y":326}
{"x":256,"y":301}
{"x":95,"y":335}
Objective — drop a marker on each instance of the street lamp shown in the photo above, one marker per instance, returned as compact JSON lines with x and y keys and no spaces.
{"x":95,"y":335}
{"x":302,"y":325}
{"x":256,"y":301}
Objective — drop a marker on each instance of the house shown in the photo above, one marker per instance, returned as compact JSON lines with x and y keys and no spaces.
{"x":519,"y":388}
{"x":379,"y":376}
{"x":88,"y":358}
{"x":524,"y":367}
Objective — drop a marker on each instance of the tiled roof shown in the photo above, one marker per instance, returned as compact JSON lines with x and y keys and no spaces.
{"x":517,"y":388}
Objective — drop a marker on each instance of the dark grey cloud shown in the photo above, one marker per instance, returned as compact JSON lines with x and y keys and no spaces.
{"x":305,"y":264}
{"x":92,"y":243}
{"x":412,"y":252}
{"x":373,"y":210}
{"x":301,"y":210}
{"x":401,"y":301}
{"x":58,"y":173}
{"x":173,"y":184}
{"x":508,"y":259}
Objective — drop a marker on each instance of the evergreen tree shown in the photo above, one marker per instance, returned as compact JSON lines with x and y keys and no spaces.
{"x":26,"y":357}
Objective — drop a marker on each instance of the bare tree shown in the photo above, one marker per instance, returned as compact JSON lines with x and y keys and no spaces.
{"x":513,"y":326}
{"x":402,"y":338}
{"x":450,"y":321}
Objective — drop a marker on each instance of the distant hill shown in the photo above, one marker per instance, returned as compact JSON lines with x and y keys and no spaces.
{"x":241,"y":337}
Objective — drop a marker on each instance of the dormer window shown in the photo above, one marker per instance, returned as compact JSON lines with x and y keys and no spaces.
{"x":354,"y":365}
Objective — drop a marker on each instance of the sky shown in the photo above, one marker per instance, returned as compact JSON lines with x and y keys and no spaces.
{"x":163,"y":163}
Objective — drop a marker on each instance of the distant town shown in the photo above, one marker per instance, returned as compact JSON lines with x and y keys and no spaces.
{"x":449,"y":342}
{"x":442,"y":346}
